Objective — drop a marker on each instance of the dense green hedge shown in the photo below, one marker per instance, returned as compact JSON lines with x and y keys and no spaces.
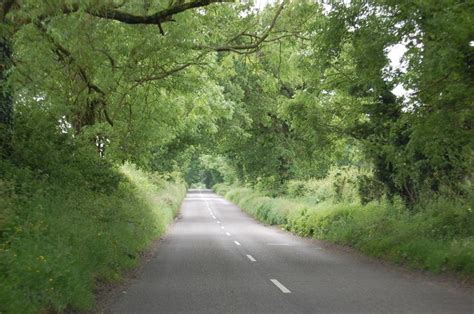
{"x":59,"y":236}
{"x":438,"y":237}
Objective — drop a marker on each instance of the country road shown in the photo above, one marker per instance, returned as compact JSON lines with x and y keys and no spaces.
{"x":216,"y":259}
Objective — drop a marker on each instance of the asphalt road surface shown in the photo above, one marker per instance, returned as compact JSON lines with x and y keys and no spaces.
{"x":216,"y":259}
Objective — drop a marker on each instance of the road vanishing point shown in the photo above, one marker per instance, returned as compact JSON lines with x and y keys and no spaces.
{"x":217,"y":259}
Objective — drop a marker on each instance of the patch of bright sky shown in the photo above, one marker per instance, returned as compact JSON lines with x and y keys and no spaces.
{"x":395,"y":54}
{"x":260,"y":4}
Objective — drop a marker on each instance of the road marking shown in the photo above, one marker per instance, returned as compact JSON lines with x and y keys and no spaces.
{"x":278,"y":244}
{"x":207,"y":204}
{"x":237,"y":243}
{"x":214,"y":217}
{"x":218,"y":222}
{"x":227,"y":234}
{"x":250,"y":257}
{"x":222,"y":227}
{"x":280,"y":286}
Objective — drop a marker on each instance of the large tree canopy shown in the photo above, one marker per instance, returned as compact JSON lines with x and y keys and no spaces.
{"x":108,"y":106}
{"x":282,"y":93}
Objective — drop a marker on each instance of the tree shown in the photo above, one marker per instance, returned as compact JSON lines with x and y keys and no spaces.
{"x":6,"y":101}
{"x":98,"y":82}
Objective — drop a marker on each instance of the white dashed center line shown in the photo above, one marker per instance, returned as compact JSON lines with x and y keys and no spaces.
{"x":222,"y":227}
{"x":280,"y":286}
{"x":250,"y":257}
{"x":227,"y":234}
{"x":218,"y":222}
{"x":237,"y":243}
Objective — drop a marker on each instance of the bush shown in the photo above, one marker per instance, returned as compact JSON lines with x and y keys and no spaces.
{"x":340,"y":185}
{"x":59,"y":235}
{"x":221,"y":188}
{"x":437,"y":236}
{"x":272,"y":211}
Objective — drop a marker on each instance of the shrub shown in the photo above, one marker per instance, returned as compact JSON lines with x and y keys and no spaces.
{"x":59,"y":235}
{"x":340,"y":185}
{"x":437,"y":236}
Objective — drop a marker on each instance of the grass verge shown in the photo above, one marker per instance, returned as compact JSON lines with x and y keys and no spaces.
{"x":60,"y":235}
{"x":438,"y":237}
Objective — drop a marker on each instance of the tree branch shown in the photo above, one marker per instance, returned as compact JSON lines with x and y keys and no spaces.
{"x":157,"y":18}
{"x":252,"y":47}
{"x":166,"y":73}
{"x":65,"y":55}
{"x":111,"y":13}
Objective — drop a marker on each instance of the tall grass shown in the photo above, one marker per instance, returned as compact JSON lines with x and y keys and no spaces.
{"x":437,"y":236}
{"x":61,"y":234}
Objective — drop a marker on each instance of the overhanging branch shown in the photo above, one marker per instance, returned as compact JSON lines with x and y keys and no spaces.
{"x":252,"y":47}
{"x":66,"y":57}
{"x":157,"y":18}
{"x":112,"y":13}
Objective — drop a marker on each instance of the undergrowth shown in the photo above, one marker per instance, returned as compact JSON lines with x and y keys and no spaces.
{"x":437,"y":235}
{"x":62,"y":232}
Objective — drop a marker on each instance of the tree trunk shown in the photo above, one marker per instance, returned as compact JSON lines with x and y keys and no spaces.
{"x":6,"y":98}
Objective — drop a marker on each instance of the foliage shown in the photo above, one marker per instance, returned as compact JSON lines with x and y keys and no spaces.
{"x":439,"y":237}
{"x":210,"y":170}
{"x":61,"y":234}
{"x":331,"y":101}
{"x":296,"y":100}
{"x":69,"y":217}
{"x":308,"y":87}
{"x":340,"y":185}
{"x":415,"y":152}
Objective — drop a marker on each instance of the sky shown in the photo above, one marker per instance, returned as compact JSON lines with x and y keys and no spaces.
{"x":262,"y":3}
